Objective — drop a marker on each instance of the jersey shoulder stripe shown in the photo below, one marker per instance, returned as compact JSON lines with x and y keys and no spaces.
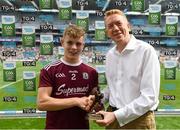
{"x":55,"y":63}
{"x":50,"y":64}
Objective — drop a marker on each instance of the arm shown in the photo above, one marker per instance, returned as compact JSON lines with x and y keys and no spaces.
{"x":47,"y":103}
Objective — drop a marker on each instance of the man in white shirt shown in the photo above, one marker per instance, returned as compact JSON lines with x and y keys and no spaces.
{"x":133,"y":76}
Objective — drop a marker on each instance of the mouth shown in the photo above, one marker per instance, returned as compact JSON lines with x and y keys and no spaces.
{"x":117,"y":34}
{"x":74,"y":53}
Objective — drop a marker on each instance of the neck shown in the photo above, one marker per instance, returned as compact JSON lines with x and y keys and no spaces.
{"x":120,"y":47}
{"x":71,"y":61}
{"x":122,"y":44}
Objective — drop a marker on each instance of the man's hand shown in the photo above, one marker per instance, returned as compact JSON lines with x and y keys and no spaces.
{"x":109,"y":117}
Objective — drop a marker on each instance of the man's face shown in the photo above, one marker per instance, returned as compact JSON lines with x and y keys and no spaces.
{"x":72,"y":48}
{"x":117,"y":28}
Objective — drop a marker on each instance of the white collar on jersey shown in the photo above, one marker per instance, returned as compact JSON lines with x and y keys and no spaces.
{"x":66,"y":63}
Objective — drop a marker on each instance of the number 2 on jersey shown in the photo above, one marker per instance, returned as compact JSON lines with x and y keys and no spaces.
{"x":73,"y":76}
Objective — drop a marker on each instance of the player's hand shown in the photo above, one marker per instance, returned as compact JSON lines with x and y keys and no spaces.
{"x":90,"y":102}
{"x":109,"y":117}
{"x":85,"y":102}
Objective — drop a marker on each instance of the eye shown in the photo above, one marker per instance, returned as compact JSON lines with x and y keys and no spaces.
{"x":69,"y":43}
{"x":118,"y":23}
{"x":110,"y":26}
{"x":79,"y":44}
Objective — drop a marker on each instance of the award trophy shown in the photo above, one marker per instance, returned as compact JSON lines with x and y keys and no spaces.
{"x":96,"y":106}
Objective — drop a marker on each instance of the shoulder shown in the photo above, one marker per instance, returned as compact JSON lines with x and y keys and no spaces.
{"x":146,"y":50}
{"x":52,"y":65}
{"x":144,"y":45}
{"x":111,"y":51}
{"x":88,"y":67}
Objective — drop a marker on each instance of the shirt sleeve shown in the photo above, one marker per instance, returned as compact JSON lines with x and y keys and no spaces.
{"x":106,"y":91}
{"x":45,"y":79}
{"x":94,"y":80}
{"x":149,"y":91}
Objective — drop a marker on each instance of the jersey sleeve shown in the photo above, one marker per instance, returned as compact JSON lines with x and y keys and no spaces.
{"x":45,"y":79}
{"x":95,"y":79}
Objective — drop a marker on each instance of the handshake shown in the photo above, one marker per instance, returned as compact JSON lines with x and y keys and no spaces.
{"x":92,"y":104}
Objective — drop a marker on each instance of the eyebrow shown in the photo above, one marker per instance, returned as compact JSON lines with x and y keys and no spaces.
{"x":115,"y":22}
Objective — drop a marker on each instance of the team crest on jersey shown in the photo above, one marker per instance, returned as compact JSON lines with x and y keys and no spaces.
{"x":85,"y":75}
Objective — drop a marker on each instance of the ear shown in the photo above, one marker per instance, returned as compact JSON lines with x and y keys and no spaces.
{"x":106,"y":31}
{"x":62,"y":41}
{"x":83,"y":45}
{"x":129,"y":26}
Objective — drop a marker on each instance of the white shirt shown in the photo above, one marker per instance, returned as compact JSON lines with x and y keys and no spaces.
{"x":133,"y":78}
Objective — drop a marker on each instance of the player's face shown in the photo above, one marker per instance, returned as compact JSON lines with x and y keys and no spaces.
{"x":72,"y":48}
{"x":117,"y":28}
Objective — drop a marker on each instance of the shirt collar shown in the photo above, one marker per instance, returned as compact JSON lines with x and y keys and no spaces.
{"x":129,"y":47}
{"x":131,"y":44}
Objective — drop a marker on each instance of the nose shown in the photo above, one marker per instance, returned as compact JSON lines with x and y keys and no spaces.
{"x":115,"y":27}
{"x":74,"y":46}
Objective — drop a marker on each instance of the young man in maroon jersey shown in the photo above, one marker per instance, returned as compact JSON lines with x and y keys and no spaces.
{"x":65,"y":85}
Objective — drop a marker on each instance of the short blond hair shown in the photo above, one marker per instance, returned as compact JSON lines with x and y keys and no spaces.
{"x":114,"y":11}
{"x":74,"y":31}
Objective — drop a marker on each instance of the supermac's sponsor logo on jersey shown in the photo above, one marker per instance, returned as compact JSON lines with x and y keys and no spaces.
{"x":60,"y":75}
{"x":63,"y":90}
{"x":85,"y":75}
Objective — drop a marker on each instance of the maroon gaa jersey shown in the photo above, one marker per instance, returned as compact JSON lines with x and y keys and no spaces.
{"x":68,"y":80}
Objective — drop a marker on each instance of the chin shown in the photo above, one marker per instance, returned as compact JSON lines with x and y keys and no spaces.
{"x":73,"y":57}
{"x":118,"y":38}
